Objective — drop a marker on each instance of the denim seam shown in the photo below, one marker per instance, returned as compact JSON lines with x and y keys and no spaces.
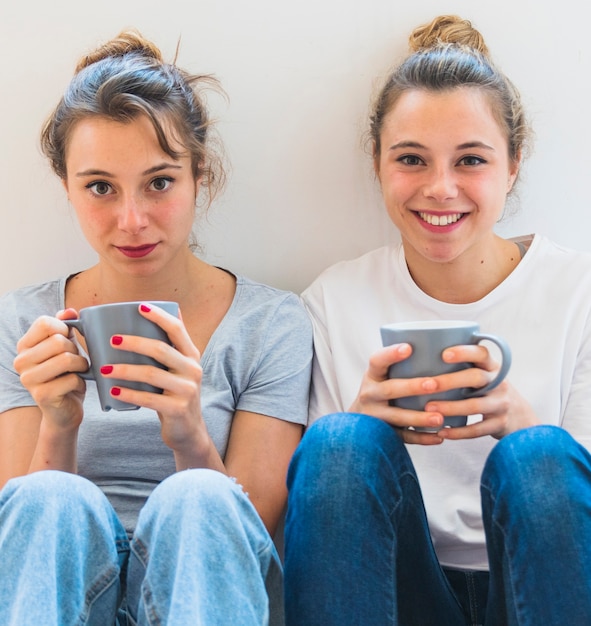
{"x":140,"y":551}
{"x":505,"y":553}
{"x":104,"y":583}
{"x":473,"y":600}
{"x":394,"y":617}
{"x":266,"y":548}
{"x":151,"y":615}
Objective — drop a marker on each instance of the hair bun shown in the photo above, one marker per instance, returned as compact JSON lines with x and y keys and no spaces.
{"x":127,"y":41}
{"x":447,"y":29}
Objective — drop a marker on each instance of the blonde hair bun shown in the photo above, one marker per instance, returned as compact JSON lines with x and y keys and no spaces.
{"x":447,"y":29}
{"x":126,"y":42}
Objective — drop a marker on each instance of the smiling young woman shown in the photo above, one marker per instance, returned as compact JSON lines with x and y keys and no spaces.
{"x":165,"y":514}
{"x":445,"y":173}
{"x":388,"y":524}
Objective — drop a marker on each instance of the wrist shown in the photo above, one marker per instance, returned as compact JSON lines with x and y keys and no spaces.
{"x":56,"y":448}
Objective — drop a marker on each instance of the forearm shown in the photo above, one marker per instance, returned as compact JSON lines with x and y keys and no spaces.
{"x":198,"y":454}
{"x":56,"y":449}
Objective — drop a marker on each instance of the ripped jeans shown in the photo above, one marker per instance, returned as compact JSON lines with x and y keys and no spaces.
{"x":358,"y":548}
{"x":200,"y":555}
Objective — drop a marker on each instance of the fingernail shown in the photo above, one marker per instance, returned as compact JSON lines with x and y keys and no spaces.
{"x":106,"y":369}
{"x":115,"y":391}
{"x":435,"y":420}
{"x":116,"y":340}
{"x":145,"y":308}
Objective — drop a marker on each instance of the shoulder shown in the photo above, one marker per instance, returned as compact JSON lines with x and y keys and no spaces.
{"x":554,"y":281}
{"x":560,"y":261}
{"x":269,"y":325}
{"x":29,"y":302}
{"x":550,"y":247}
{"x":367,"y":272}
{"x":20,"y":308}
{"x":257,"y":302}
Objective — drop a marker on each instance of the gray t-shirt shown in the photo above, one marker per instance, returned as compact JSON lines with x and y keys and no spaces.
{"x":257,"y":360}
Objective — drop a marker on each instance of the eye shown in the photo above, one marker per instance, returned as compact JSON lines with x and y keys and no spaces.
{"x":162,"y":183}
{"x":471,"y":160}
{"x":410,"y":159}
{"x":100,"y":188}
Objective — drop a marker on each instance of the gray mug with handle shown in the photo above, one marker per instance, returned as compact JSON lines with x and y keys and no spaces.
{"x":428,"y":340}
{"x":98,"y":324}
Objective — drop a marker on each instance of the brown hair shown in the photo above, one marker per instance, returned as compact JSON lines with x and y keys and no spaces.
{"x":446,"y":54}
{"x":127,"y":77}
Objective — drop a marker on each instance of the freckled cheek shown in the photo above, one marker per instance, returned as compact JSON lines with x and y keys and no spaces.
{"x":95,"y":220}
{"x":172,"y":217}
{"x":397,"y":198}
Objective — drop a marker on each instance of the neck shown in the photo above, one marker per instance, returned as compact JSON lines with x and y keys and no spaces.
{"x":467,"y":278}
{"x":102,"y":284}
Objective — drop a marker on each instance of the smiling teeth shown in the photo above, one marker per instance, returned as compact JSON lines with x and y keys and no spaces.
{"x":440,"y":220}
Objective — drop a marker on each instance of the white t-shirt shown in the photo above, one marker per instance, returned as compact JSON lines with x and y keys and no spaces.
{"x":542,"y":309}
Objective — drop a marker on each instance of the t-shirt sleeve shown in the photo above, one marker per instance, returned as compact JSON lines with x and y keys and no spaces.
{"x":280,"y":383}
{"x":12,"y":327}
{"x":325,"y":397}
{"x":18,"y":310}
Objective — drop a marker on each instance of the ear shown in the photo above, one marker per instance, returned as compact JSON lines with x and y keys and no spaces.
{"x":376,"y":160}
{"x":198,"y":182}
{"x":513,"y":172}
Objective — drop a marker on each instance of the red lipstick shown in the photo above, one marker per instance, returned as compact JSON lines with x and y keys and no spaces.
{"x":137,"y":252}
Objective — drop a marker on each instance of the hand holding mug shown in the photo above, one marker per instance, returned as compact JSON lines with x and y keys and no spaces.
{"x":49,"y":365}
{"x":428,"y":340}
{"x":102,"y":326}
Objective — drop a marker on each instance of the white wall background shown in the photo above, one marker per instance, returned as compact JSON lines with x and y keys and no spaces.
{"x":299,"y":76}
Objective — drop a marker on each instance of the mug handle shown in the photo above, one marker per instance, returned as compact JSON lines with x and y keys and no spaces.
{"x":505,"y":365}
{"x":77,"y":324}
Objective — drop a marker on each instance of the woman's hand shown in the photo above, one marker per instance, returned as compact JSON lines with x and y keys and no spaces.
{"x":48,"y":361}
{"x":377,"y":390}
{"x":179,"y":405}
{"x":503,"y":409}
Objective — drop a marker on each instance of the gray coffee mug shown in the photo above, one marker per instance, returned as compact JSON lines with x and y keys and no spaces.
{"x":98,"y":324}
{"x":428,"y":340}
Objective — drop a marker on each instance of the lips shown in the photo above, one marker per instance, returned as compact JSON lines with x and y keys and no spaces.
{"x":137,"y":252}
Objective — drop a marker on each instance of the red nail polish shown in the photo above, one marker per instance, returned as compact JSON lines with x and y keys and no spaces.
{"x":116,"y":340}
{"x":106,"y":369}
{"x":145,"y":308}
{"x":115,"y":391}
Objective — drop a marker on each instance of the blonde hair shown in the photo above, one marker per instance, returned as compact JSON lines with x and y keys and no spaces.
{"x":447,"y":29}
{"x":127,"y":77}
{"x":445,"y":54}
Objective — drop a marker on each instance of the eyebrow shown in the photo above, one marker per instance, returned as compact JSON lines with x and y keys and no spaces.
{"x":151,"y":170}
{"x":463,"y":146}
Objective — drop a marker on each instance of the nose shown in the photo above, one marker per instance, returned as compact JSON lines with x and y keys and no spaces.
{"x":441,"y":184}
{"x":132,"y":217}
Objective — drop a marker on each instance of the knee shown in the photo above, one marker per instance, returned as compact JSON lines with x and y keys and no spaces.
{"x":59,"y":501}
{"x":196,"y":491}
{"x":198,"y":507}
{"x":532,"y":452}
{"x":342,"y":450}
{"x":543,"y":466}
{"x":51,"y":490}
{"x":342,"y":437}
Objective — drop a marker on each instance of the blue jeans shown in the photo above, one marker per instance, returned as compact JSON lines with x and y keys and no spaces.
{"x":358,"y":548}
{"x":200,"y":555}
